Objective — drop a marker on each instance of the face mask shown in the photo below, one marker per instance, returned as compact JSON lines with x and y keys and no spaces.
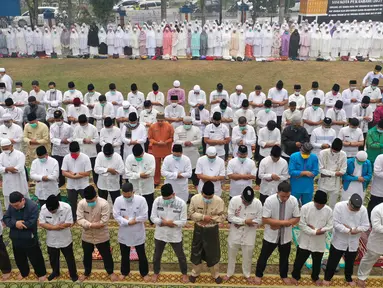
{"x":43,"y":160}
{"x":2,"y":90}
{"x":242,"y":128}
{"x":241,"y":159}
{"x":359,"y":162}
{"x":60,"y":123}
{"x":113,"y":92}
{"x":211,"y":160}
{"x":201,"y":107}
{"x":373,"y":87}
{"x":207,"y":201}
{"x":267,"y":110}
{"x":74,"y":155}
{"x":92,"y":204}
{"x":129,"y":200}
{"x":379,"y":130}
{"x":223,"y":111}
{"x":315,"y":108}
{"x":32,"y":105}
{"x":33,"y":125}
{"x":177,"y":158}
{"x":174,"y":105}
{"x":102,"y":104}
{"x":7,"y":152}
{"x":71,"y":91}
{"x":187,"y":126}
{"x":126,"y":109}
{"x":315,"y":92}
{"x":364,"y":107}
{"x":133,"y":124}
{"x":352,"y":88}
{"x":297,"y":93}
{"x":52,"y":90}
{"x":216,"y":124}
{"x":8,"y":124}
{"x":19,"y":89}
{"x":108,"y":157}
{"x":305,"y":156}
{"x":168,"y":202}
{"x":149,"y":110}
{"x":138,"y":159}
{"x":326,"y":129}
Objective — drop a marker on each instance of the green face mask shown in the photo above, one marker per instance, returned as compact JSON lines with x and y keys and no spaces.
{"x":267,"y":110}
{"x":168,"y":202}
{"x":315,"y":108}
{"x":138,"y":159}
{"x":360,"y":162}
{"x":33,"y":125}
{"x":187,"y":127}
{"x":242,"y":128}
{"x":102,"y":104}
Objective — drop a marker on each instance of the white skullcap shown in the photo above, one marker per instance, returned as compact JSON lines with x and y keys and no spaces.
{"x":211,"y":151}
{"x":2,"y":69}
{"x":176,"y":83}
{"x":5,"y":142}
{"x":361,"y":155}
{"x":125,"y":104}
{"x":7,"y":117}
{"x":238,"y":87}
{"x":200,"y":101}
{"x":196,"y":88}
{"x":54,"y":104}
{"x":187,"y":119}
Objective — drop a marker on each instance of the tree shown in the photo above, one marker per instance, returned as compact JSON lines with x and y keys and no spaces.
{"x":163,"y":9}
{"x":33,"y":8}
{"x":102,"y":9}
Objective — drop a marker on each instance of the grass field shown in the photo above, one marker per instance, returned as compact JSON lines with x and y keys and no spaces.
{"x":204,"y":73}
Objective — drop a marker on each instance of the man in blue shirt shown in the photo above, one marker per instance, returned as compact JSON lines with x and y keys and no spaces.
{"x":303,"y":168}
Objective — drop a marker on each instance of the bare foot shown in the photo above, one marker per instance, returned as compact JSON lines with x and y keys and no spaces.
{"x":19,"y":277}
{"x":257,"y":281}
{"x":352,"y":283}
{"x":226,"y":278}
{"x":146,"y":278}
{"x":113,"y":277}
{"x":294,"y":281}
{"x":82,"y":278}
{"x":155,"y":278}
{"x":287,"y":281}
{"x":361,"y":283}
{"x":250,"y":280}
{"x":6,"y":276}
{"x":185,"y":278}
{"x":122,"y":277}
{"x":43,"y":279}
{"x":318,"y":282}
{"x":326,"y":283}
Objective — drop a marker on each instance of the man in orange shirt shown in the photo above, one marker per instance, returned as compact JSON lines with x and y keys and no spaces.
{"x":160,"y":135}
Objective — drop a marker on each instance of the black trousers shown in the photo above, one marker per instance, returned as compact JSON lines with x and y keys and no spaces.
{"x":42,"y":202}
{"x":54,"y":259}
{"x":374,"y":201}
{"x":149,"y":200}
{"x":361,"y":148}
{"x":61,"y":177}
{"x":279,"y":122}
{"x":146,"y":146}
{"x":113,"y":194}
{"x":143,"y":264}
{"x":5,"y":263}
{"x":267,"y":249}
{"x":104,"y":249}
{"x":72,"y":198}
{"x":94,"y":174}
{"x":333,"y":261}
{"x":178,"y":250}
{"x":34,"y":255}
{"x":300,"y":260}
{"x":262,"y":198}
{"x":203,"y":147}
{"x":194,"y":178}
{"x":258,"y":180}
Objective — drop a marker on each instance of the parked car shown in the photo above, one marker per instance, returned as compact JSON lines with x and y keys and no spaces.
{"x":148,"y":5}
{"x":296,"y":7}
{"x":24,"y":19}
{"x":126,"y":4}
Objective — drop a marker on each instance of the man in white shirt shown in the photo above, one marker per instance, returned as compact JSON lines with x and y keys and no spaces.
{"x":200,"y":117}
{"x":268,"y":137}
{"x":195,"y":97}
{"x":272,"y":170}
{"x":279,"y":97}
{"x":147,"y":117}
{"x":131,"y":212}
{"x":351,"y":97}
{"x":315,"y":92}
{"x":337,"y":116}
{"x":4,"y":94}
{"x":90,"y":99}
{"x":56,"y":218}
{"x":236,"y":98}
{"x":352,"y":137}
{"x":114,"y":97}
{"x":5,"y":263}
{"x":322,"y":137}
{"x":374,"y":246}
{"x":174,"y":112}
{"x":216,"y":134}
{"x":227,"y":114}
{"x":102,"y":109}
{"x":315,"y":222}
{"x":280,"y":213}
{"x":52,"y":94}
{"x":139,"y":169}
{"x":245,"y":111}
{"x":331,"y":97}
{"x":20,"y":97}
{"x":133,"y":133}
{"x":60,"y":134}
{"x":370,"y":76}
{"x":298,"y":98}
{"x":313,"y":116}
{"x":109,"y":166}
{"x":377,"y":185}
{"x":53,"y":107}
{"x":373,"y":91}
{"x":15,"y":112}
{"x":245,"y":216}
{"x":76,"y":168}
{"x":177,"y":169}
{"x":37,"y":93}
{"x":111,"y":134}
{"x":363,"y":112}
{"x":136,"y":98}
{"x":241,"y":171}
{"x":350,"y":220}
{"x":45,"y":171}
{"x":75,"y":110}
{"x":157,"y":98}
{"x":211,"y":168}
{"x":288,"y":114}
{"x":243,"y":134}
{"x":87,"y":136}
{"x":257,"y":99}
{"x":71,"y":94}
{"x":189,"y":136}
{"x":4,"y":77}
{"x":217,"y":95}
{"x":11,"y":131}
{"x":264,"y":116}
{"x":169,"y":214}
{"x":123,"y":113}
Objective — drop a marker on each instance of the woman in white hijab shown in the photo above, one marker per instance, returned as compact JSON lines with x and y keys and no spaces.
{"x":83,"y":41}
{"x":103,"y":50}
{"x":119,"y":41}
{"x":56,"y":41}
{"x":11,"y":40}
{"x":74,"y":43}
{"x":29,"y":41}
{"x":150,"y":41}
{"x":21,"y":46}
{"x":38,"y":40}
{"x":110,"y":41}
{"x":47,"y":39}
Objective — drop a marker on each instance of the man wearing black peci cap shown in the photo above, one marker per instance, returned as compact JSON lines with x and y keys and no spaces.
{"x":313,"y":116}
{"x":217,"y":95}
{"x":331,"y":97}
{"x":90,"y":99}
{"x":350,"y":220}
{"x":373,"y":91}
{"x":102,"y":110}
{"x":279,"y":97}
{"x":298,"y":98}
{"x":133,"y":132}
{"x":338,"y":116}
{"x":174,"y":112}
{"x":110,"y":134}
{"x":315,"y":92}
{"x":352,"y":137}
{"x":322,"y":137}
{"x":246,"y":112}
{"x":363,"y":112}
{"x":351,"y":97}
{"x":370,"y":76}
{"x":217,"y":135}
{"x":264,"y":116}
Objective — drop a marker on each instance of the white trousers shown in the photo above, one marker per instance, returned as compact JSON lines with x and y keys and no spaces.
{"x":332,"y":197}
{"x":365,"y":266}
{"x":247,"y":255}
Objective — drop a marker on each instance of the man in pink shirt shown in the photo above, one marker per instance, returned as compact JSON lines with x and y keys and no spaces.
{"x":177,"y":91}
